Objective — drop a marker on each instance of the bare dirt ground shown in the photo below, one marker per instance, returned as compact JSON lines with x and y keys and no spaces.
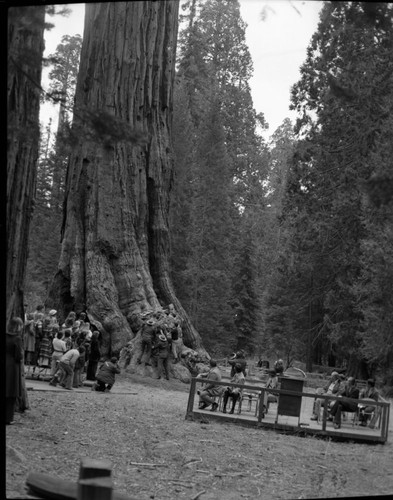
{"x":157,"y":454}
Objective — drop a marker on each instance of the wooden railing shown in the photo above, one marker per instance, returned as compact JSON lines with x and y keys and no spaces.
{"x":384,"y":405}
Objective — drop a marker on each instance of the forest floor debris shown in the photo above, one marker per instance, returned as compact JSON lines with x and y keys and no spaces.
{"x":157,"y":454}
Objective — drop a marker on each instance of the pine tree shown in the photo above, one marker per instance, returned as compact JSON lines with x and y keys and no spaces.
{"x":341,"y":98}
{"x":215,"y":67}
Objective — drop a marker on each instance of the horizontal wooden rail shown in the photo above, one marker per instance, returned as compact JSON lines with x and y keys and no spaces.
{"x":261,"y":389}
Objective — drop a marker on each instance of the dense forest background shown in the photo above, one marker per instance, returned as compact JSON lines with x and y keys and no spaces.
{"x":281,"y":247}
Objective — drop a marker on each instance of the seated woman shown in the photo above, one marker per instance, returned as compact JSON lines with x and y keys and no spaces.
{"x":234,"y":392}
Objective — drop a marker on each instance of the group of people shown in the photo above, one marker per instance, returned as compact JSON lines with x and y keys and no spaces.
{"x":209,"y":394}
{"x":49,"y":344}
{"x":161,"y":337}
{"x":71,"y":350}
{"x":348,"y":395}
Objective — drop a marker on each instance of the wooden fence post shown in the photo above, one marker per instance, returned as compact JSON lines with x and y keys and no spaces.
{"x":95,"y":482}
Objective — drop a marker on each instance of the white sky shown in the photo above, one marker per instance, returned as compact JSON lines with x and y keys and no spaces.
{"x":277,"y":46}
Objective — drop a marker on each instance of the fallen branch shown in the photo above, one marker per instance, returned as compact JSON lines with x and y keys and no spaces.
{"x":187,"y":464}
{"x":141,"y":464}
{"x":198,"y":495}
{"x":219,"y":474}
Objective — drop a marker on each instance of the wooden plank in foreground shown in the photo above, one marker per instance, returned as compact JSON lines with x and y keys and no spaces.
{"x":55,"y":488}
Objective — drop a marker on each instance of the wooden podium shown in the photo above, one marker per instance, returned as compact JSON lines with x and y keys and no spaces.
{"x":290,"y":405}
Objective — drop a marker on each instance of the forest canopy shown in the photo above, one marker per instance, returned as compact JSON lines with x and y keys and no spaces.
{"x":281,"y":247}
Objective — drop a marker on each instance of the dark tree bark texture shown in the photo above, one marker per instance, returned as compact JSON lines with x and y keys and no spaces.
{"x":25,"y":50}
{"x":115,"y":242}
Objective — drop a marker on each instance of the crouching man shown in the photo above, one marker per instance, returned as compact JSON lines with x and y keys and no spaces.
{"x":106,"y":375}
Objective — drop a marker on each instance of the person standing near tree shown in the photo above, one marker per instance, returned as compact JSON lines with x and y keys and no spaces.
{"x":14,"y":358}
{"x":162,"y":351}
{"x":95,"y":355}
{"x":148,"y":334}
{"x":59,"y":348}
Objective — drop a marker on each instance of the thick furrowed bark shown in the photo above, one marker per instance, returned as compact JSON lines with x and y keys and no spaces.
{"x":115,"y":233}
{"x":25,"y":49}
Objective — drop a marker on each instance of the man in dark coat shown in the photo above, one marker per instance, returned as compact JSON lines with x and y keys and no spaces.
{"x":162,"y":349}
{"x":95,"y":355}
{"x":14,"y":358}
{"x":238,"y":359}
{"x":106,"y":375}
{"x":345,"y":403}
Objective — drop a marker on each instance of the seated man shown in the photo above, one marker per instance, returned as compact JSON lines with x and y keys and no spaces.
{"x":332,"y":387}
{"x":344,"y":403}
{"x":234,"y":392}
{"x":211,"y":391}
{"x":370,"y":393}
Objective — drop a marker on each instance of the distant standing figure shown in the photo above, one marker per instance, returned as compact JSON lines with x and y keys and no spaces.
{"x":95,"y":355}
{"x":29,"y":339}
{"x":59,"y":348}
{"x":279,"y":366}
{"x":162,"y":350}
{"x":78,"y":370}
{"x":238,"y":359}
{"x":14,"y":358}
{"x":107,"y":375}
{"x":148,"y":334}
{"x":177,"y":341}
{"x":53,"y":317}
{"x":45,"y":357}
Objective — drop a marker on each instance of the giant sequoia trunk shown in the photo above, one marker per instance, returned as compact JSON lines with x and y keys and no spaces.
{"x":25,"y":49}
{"x":115,"y":244}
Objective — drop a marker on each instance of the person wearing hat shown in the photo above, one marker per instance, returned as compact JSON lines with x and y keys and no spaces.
{"x":148,"y":334}
{"x":13,"y":364}
{"x":238,"y":359}
{"x":52,"y":317}
{"x":332,"y":387}
{"x":162,"y":352}
{"x":106,"y":375}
